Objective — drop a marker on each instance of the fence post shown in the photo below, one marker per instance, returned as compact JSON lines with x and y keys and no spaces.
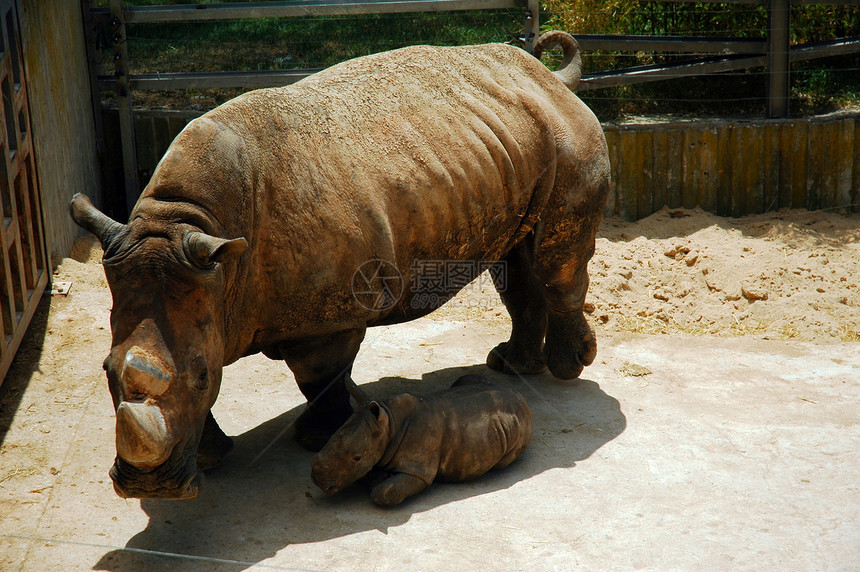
{"x":532,"y":30}
{"x":778,"y":35}
{"x":123,"y":97}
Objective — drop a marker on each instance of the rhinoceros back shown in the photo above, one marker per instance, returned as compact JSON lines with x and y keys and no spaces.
{"x":447,"y":142}
{"x":418,"y":154}
{"x":486,"y":428}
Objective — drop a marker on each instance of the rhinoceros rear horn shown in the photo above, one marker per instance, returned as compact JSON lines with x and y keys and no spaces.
{"x":204,"y":250}
{"x":92,"y":219}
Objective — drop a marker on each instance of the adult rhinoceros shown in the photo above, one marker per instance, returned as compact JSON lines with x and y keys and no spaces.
{"x":252,"y":228}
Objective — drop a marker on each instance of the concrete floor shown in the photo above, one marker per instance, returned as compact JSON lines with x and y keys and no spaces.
{"x":730,"y":454}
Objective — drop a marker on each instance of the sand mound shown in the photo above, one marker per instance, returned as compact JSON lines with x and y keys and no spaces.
{"x":790,"y":274}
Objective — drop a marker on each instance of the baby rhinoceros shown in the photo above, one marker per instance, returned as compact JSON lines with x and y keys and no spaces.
{"x":453,"y":435}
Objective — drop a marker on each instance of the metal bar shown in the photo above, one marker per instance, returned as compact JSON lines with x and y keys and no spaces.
{"x":671,"y":44}
{"x":90,"y":40}
{"x":532,"y":27}
{"x":126,"y":111}
{"x":815,"y":50}
{"x":778,"y":37}
{"x":212,"y":80}
{"x":658,"y":72}
{"x":275,"y":78}
{"x":240,"y":10}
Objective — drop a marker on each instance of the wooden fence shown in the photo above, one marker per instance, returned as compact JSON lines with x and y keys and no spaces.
{"x":731,"y":168}
{"x":734,"y":168}
{"x":24,"y":267}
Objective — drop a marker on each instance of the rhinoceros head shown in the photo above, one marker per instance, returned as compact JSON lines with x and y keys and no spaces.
{"x":168,"y":328}
{"x":353,"y":450}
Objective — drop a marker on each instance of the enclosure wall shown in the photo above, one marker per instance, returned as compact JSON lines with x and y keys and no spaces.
{"x":64,"y":136}
{"x":735,"y":168}
{"x":731,"y":168}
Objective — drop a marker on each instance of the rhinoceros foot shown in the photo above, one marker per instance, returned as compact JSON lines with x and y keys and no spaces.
{"x":570,"y":346}
{"x":214,"y":445}
{"x":505,"y":359}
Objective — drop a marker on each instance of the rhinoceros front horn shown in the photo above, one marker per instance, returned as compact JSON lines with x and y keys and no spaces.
{"x":92,"y":219}
{"x":142,"y":438}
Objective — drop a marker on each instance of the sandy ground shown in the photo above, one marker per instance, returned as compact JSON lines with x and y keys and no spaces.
{"x":717,"y":429}
{"x":789,"y":275}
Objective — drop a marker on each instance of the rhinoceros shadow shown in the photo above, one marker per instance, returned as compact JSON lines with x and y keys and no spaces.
{"x":250,"y":509}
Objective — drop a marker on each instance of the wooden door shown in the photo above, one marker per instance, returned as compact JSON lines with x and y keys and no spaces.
{"x":24,"y":273}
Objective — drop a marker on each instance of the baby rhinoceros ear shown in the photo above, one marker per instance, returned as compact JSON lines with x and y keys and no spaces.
{"x":379,"y":414}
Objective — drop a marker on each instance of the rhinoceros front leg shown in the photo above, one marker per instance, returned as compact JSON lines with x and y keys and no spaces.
{"x":394,"y":489}
{"x":214,"y":444}
{"x":320,"y":366}
{"x":524,"y":298}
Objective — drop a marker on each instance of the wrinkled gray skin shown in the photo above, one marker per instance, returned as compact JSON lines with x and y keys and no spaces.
{"x":250,"y":232}
{"x":451,"y":436}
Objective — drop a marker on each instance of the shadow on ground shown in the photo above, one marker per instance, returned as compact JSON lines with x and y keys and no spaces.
{"x":26,"y":362}
{"x":250,"y":508}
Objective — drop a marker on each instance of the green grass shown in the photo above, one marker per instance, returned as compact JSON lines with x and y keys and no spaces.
{"x":282,"y":43}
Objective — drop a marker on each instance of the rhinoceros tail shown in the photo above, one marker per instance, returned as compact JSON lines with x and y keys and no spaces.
{"x":570,"y":70}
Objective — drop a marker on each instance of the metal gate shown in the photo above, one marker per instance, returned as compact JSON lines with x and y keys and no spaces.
{"x":24,"y":273}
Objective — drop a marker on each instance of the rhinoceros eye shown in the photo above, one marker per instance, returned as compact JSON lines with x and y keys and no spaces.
{"x":201,"y":382}
{"x":356,"y":458}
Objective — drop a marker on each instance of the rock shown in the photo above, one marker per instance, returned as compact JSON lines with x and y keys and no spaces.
{"x":633,"y":370}
{"x":752,"y":292}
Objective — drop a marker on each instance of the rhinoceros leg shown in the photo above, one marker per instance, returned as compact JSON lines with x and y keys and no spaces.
{"x":214,"y":444}
{"x":524,"y":298}
{"x":321,"y":366}
{"x":570,"y":342}
{"x":560,"y":263}
{"x":395,"y":489}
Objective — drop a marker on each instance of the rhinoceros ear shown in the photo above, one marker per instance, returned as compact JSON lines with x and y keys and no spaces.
{"x":204,"y":250}
{"x":92,"y":219}
{"x":379,"y":412}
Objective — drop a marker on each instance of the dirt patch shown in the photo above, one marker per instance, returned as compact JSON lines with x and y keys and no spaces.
{"x":784,"y":275}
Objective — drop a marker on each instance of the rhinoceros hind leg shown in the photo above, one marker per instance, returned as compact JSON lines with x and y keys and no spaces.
{"x":565,"y":244}
{"x":320,"y":366}
{"x":570,"y":345}
{"x":561,"y":264}
{"x":214,"y":445}
{"x":523,"y":297}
